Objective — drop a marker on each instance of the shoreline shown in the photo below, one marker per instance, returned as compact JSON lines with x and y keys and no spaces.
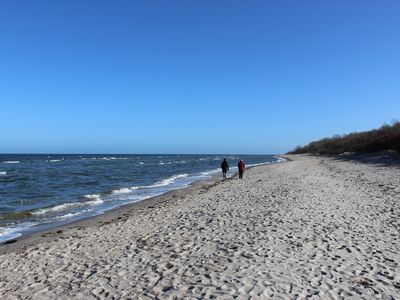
{"x":107,"y":217}
{"x":115,"y":214}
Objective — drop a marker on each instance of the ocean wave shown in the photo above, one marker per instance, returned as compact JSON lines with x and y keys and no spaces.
{"x":11,"y":162}
{"x":168,"y":181}
{"x":56,"y":208}
{"x":10,"y":233}
{"x":4,"y":173}
{"x":105,"y":158}
{"x":54,"y":160}
{"x":206,"y":173}
{"x":164,"y":182}
{"x":121,"y":191}
{"x":109,"y":158}
{"x":7,"y":234}
{"x":92,"y":196}
{"x":279,"y":159}
{"x":71,"y":215}
{"x":260,"y":164}
{"x":95,"y":200}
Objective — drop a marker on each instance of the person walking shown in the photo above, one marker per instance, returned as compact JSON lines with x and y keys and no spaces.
{"x":225,"y":168}
{"x":241,"y":167}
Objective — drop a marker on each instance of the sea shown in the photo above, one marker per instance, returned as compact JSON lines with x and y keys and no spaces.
{"x":38,"y":192}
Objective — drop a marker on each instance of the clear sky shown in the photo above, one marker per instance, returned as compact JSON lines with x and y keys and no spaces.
{"x":194,"y":76}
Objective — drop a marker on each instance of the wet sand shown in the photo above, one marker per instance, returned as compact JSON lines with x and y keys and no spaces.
{"x":314,"y":227}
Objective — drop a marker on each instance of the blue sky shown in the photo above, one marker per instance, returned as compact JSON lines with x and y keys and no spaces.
{"x":194,"y":76}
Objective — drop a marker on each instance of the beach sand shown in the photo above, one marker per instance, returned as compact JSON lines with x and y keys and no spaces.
{"x":311,"y":228}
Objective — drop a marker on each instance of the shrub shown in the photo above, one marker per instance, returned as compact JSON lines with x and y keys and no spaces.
{"x":385,"y":138}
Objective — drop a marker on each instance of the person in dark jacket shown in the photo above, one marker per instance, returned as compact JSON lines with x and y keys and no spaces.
{"x":225,"y":168}
{"x":241,"y":167}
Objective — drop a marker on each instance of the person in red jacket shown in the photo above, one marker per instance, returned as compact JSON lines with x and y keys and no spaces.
{"x":241,"y":167}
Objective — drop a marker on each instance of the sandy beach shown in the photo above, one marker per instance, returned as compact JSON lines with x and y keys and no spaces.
{"x":310,"y":228}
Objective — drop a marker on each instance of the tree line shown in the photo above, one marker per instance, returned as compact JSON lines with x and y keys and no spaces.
{"x":385,"y":138}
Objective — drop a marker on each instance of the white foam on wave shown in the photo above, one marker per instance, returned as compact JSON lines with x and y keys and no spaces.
{"x":7,"y":234}
{"x":169,"y":180}
{"x":56,"y":208}
{"x":207,"y":173}
{"x":260,"y":164}
{"x":54,"y":160}
{"x":109,"y":158}
{"x":6,"y":230}
{"x":10,"y":233}
{"x":121,"y":191}
{"x":4,"y":173}
{"x":161,"y":183}
{"x":11,"y":162}
{"x":71,"y":215}
{"x":161,"y":163}
{"x":96,"y":200}
{"x":92,"y":196}
{"x":164,"y":182}
{"x":141,"y":163}
{"x":280,"y":159}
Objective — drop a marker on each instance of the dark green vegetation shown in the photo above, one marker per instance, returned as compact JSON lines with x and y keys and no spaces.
{"x":385,"y":138}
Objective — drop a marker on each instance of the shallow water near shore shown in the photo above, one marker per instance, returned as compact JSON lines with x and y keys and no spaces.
{"x":41,"y":191}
